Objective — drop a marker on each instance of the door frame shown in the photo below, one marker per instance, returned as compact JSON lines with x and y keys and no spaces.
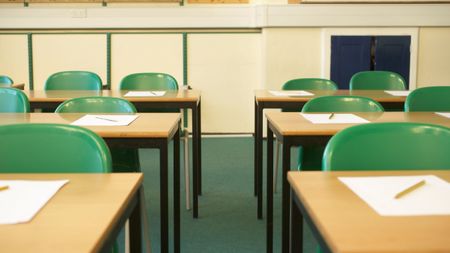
{"x":369,"y":31}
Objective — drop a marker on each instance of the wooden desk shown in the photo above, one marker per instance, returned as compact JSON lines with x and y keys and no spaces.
{"x":149,"y":130}
{"x":294,"y":130}
{"x":85,"y":215}
{"x":343,"y":222}
{"x":181,"y":99}
{"x":264,"y":99}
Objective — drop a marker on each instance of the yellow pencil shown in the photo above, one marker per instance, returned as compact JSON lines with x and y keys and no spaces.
{"x":331,"y":115}
{"x":410,"y":189}
{"x":4,"y":187}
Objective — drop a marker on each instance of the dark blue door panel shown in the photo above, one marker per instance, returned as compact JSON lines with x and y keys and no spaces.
{"x":392,"y":53}
{"x":349,"y":54}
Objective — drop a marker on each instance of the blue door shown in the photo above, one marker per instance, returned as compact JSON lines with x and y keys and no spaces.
{"x":392,"y":53}
{"x":349,"y":54}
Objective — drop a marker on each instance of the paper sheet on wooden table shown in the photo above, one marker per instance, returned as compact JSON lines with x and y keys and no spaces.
{"x":433,"y":198}
{"x":444,"y":114}
{"x":104,"y":120}
{"x":338,"y":118}
{"x":291,"y":93}
{"x":145,"y":94}
{"x":24,"y":198}
{"x":398,"y":93}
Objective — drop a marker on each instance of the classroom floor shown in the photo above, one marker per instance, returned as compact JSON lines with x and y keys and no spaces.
{"x":227,"y":209}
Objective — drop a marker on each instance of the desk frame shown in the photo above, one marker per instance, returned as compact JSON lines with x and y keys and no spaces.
{"x":260,"y":103}
{"x":171,"y":103}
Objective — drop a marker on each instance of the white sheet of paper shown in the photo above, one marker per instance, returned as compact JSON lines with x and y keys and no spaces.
{"x":444,"y":114}
{"x":104,"y":120}
{"x":398,"y":93}
{"x":433,"y":198}
{"x":145,"y":94}
{"x":338,"y":118}
{"x":291,"y":93}
{"x":24,"y":198}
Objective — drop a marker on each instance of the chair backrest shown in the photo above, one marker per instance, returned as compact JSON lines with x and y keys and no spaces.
{"x":149,"y":81}
{"x":389,"y":146}
{"x":309,"y":84}
{"x":377,"y":80}
{"x":13,"y":100}
{"x":96,"y":105}
{"x":52,"y":148}
{"x":342,"y":104}
{"x":74,"y":80}
{"x":5,"y":81}
{"x":432,"y":99}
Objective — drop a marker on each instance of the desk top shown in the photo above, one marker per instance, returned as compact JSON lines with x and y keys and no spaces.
{"x":77,"y":219}
{"x":62,"y":95}
{"x":348,"y":224}
{"x":147,"y":125}
{"x":377,"y":95}
{"x":292,"y":123}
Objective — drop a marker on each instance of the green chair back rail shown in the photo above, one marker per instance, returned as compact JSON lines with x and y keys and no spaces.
{"x":377,"y":80}
{"x":389,"y":146}
{"x":309,"y":84}
{"x":434,"y":99}
{"x":74,"y":80}
{"x":124,"y":159}
{"x":342,"y":104}
{"x":52,"y":148}
{"x":96,"y":105}
{"x":149,"y":81}
{"x":5,"y":81}
{"x":13,"y":100}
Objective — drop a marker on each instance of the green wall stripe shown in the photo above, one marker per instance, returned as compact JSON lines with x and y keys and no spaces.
{"x":185,"y":74}
{"x":30,"y":60}
{"x":108,"y":61}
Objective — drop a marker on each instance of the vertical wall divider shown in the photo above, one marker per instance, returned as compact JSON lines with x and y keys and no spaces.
{"x":30,"y":60}
{"x":185,"y":74}
{"x":108,"y":61}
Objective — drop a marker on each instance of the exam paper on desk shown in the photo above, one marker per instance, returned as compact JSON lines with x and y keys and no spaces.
{"x":433,"y":198}
{"x":24,"y":198}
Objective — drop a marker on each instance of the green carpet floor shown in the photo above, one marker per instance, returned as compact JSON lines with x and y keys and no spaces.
{"x":227,"y":209}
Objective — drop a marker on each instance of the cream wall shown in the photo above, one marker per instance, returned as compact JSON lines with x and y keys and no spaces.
{"x":14,"y":57}
{"x":434,"y":57}
{"x":226,"y":66}
{"x":59,"y":52}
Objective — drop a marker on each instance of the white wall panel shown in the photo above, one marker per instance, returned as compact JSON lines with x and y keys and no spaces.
{"x":227,"y":69}
{"x":133,"y":53}
{"x":61,"y":52}
{"x":14,"y":57}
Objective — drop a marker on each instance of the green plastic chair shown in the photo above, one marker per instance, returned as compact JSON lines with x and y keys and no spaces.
{"x":5,"y":81}
{"x":311,"y":158}
{"x":310,"y":84}
{"x":389,"y":146}
{"x":124,"y":159}
{"x":377,"y":80}
{"x":13,"y":100}
{"x":432,"y":99}
{"x":164,"y":82}
{"x":73,"y":80}
{"x":52,"y":148}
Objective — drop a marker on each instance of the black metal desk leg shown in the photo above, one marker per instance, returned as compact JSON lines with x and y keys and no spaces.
{"x":285,"y":198}
{"x":176,"y":190}
{"x":199,"y":147}
{"x":195,"y":146}
{"x":259,"y":166}
{"x":164,"y":196}
{"x":255,"y":158}
{"x":269,"y":226}
{"x":136,"y":224}
{"x":296,"y":235}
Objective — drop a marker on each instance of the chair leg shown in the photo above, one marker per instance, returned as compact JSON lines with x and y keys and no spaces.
{"x":275,"y":164}
{"x":186,"y":170}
